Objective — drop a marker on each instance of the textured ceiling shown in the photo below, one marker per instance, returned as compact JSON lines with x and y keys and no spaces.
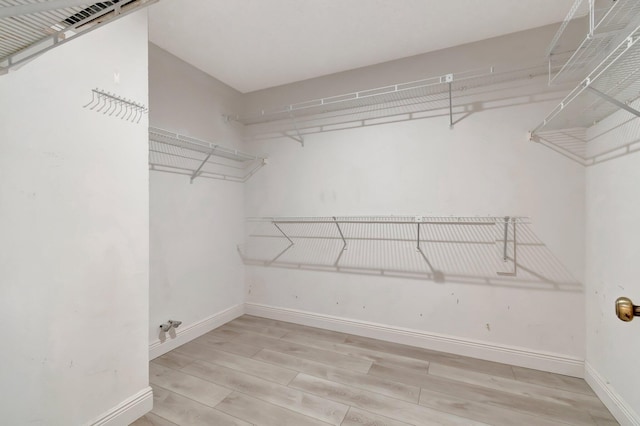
{"x":255,"y":44}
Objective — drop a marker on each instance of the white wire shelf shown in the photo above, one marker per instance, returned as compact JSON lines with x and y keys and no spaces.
{"x":337,"y":241}
{"x":385,"y":101}
{"x":29,"y":28}
{"x":174,"y":153}
{"x":606,"y":28}
{"x":380,"y":95}
{"x":612,"y":85}
{"x":444,"y":220}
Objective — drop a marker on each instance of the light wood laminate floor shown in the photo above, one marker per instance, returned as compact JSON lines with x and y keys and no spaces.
{"x":256,"y":371}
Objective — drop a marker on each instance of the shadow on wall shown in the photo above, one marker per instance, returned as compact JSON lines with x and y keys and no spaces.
{"x":471,"y":254}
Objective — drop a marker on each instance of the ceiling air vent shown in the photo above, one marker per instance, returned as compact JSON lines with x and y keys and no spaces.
{"x":94,"y":11}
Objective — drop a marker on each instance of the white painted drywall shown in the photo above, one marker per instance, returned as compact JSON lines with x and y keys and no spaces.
{"x":74,"y":227}
{"x":195,"y":268}
{"x":484,"y":166}
{"x":612,"y":263}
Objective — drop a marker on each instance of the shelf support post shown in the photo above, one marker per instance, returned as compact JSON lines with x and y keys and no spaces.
{"x":450,"y":108}
{"x":344,"y":242}
{"x":505,"y":255}
{"x":299,"y":139}
{"x":612,"y":100}
{"x":197,"y":171}
{"x":592,"y":17}
{"x":506,"y":236}
{"x":449,"y":80}
{"x":437,"y":275}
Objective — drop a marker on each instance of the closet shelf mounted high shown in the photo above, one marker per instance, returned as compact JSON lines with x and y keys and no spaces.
{"x":608,"y":61}
{"x":605,"y":30}
{"x":396,"y":102}
{"x":174,"y":153}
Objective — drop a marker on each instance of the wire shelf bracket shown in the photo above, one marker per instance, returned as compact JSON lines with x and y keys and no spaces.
{"x":344,"y":242}
{"x":438,"y":276}
{"x":196,"y":172}
{"x":291,"y":244}
{"x":613,"y":101}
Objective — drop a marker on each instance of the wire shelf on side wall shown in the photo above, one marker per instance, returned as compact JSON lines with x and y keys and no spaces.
{"x":605,"y":29}
{"x":174,"y":153}
{"x":613,"y":85}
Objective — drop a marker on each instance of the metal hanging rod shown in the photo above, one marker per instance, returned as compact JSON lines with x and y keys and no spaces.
{"x":114,"y":105}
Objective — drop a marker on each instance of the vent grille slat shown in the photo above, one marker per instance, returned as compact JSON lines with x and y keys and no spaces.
{"x":92,"y":10}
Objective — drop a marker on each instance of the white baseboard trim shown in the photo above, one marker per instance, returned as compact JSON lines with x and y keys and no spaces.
{"x":189,"y":332}
{"x":555,"y":363}
{"x":128,"y":411}
{"x":614,"y":402}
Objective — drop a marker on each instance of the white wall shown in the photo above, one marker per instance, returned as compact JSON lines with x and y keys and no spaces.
{"x":612,"y":266}
{"x":74,"y":226}
{"x":484,"y":166}
{"x":196,"y":272}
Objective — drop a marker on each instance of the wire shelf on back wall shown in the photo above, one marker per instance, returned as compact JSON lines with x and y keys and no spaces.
{"x":378,"y":96}
{"x":493,"y":251}
{"x":390,"y":244}
{"x":174,"y":153}
{"x":374,"y":105}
